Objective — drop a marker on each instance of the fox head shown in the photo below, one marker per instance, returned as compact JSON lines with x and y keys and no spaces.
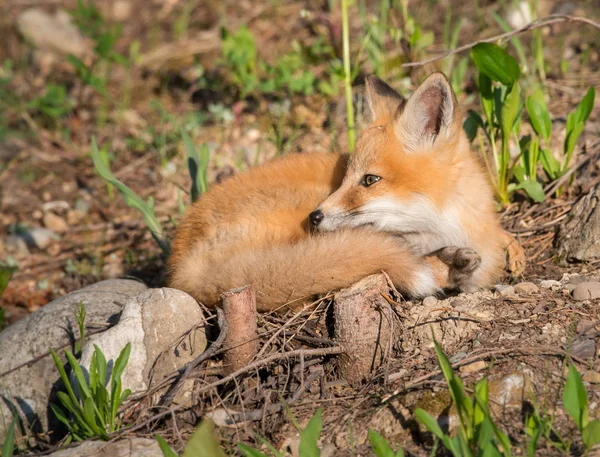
{"x":406,"y":167}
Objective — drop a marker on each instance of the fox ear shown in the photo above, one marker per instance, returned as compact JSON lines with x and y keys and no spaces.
{"x":380,"y":101}
{"x":428,"y":114}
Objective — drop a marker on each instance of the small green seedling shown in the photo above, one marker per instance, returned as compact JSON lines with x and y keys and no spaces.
{"x":94,"y":414}
{"x":8,"y":446}
{"x":477,"y":433}
{"x":197,"y":165}
{"x":80,"y":318}
{"x":540,"y":120}
{"x":132,"y":199}
{"x":575,"y":401}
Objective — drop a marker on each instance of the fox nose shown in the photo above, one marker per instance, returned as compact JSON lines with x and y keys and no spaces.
{"x":316,"y":217}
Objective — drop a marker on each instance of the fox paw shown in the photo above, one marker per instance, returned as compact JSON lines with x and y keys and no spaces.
{"x":462,"y":263}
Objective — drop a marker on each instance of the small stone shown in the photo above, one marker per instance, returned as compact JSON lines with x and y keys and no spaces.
{"x":458,"y":357}
{"x":583,"y":348}
{"x":39,"y":237}
{"x":577,"y":279}
{"x":473,"y":367}
{"x":55,"y":223}
{"x":592,"y":377}
{"x":526,"y":288}
{"x":587,"y":290}
{"x":430,"y":301}
{"x":37,"y":214}
{"x":505,"y":290}
{"x":549,"y":284}
{"x":121,"y":10}
{"x":55,"y":33}
{"x":15,"y":245}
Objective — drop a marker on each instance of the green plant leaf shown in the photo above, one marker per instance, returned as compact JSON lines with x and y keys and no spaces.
{"x":309,"y":437}
{"x":63,"y":376}
{"x":533,"y":188}
{"x":538,"y":114}
{"x":101,"y":365}
{"x":381,"y":447}
{"x":248,"y":451}
{"x":510,"y":110}
{"x":575,"y":398}
{"x":121,"y":362}
{"x":203,"y":443}
{"x":6,"y":273}
{"x":585,"y":107}
{"x":471,"y":124}
{"x":550,"y":164}
{"x":571,"y":141}
{"x":60,"y":415}
{"x":78,"y":372}
{"x":8,"y":447}
{"x":590,"y":434}
{"x":429,"y":422}
{"x":496,"y":63}
{"x":165,"y":448}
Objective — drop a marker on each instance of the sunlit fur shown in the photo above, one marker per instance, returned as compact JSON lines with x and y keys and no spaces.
{"x":432,"y":194}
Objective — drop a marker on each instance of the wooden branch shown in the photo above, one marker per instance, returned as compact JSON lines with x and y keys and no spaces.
{"x":241,"y":344}
{"x":542,"y":22}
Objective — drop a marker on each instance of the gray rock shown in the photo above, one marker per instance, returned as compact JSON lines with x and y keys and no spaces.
{"x":505,"y":290}
{"x":578,"y":237}
{"x":129,"y":447}
{"x":39,"y":237}
{"x":159,"y":323}
{"x":587,"y":290}
{"x":55,"y":223}
{"x":584,"y":348}
{"x":15,"y":245}
{"x":27,"y":373}
{"x":54,"y":33}
{"x":549,"y":284}
{"x":525,"y":288}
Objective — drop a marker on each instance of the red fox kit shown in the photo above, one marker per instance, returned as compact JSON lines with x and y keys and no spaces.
{"x":412,"y":200}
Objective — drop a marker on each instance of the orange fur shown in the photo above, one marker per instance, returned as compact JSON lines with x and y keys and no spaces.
{"x":253,"y":227}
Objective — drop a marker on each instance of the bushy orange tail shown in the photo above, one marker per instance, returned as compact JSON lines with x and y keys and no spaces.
{"x":290,"y":273}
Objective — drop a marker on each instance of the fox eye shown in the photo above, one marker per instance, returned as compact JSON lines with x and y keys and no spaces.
{"x":369,"y":180}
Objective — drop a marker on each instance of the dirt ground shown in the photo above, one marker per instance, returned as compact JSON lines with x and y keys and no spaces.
{"x":47,"y":179}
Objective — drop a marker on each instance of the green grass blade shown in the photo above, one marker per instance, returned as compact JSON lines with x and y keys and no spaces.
{"x":381,"y":447}
{"x":63,"y":376}
{"x":309,"y":437}
{"x":590,"y":435}
{"x":575,"y":398}
{"x":496,"y":63}
{"x":121,"y":362}
{"x":8,"y":447}
{"x":165,"y":448}
{"x":248,"y":451}
{"x":203,"y":442}
{"x":78,"y":372}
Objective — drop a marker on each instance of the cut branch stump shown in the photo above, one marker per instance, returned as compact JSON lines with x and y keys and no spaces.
{"x":365,"y":326}
{"x":241,"y":343}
